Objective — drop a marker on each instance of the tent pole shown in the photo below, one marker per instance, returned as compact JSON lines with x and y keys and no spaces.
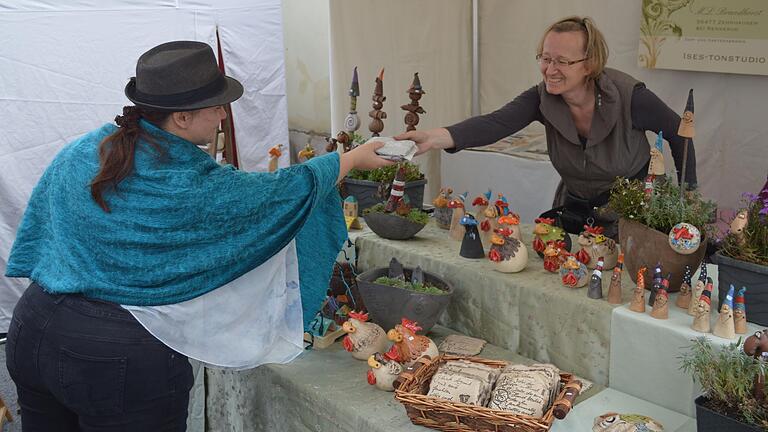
{"x":475,"y":60}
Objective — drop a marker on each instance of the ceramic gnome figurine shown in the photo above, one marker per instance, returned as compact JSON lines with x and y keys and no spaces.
{"x":573,"y":273}
{"x":613,"y":422}
{"x":614,"y":290}
{"x":655,"y":166}
{"x":456,"y":231}
{"x":740,"y":312}
{"x":383,"y":372}
{"x":738,"y":224}
{"x":408,"y":345}
{"x":442,"y":212}
{"x":274,"y":155}
{"x":638,"y":294}
{"x":413,"y":109}
{"x":661,"y":302}
{"x":554,"y":256}
{"x":595,"y":290}
{"x":684,"y":297}
{"x":656,"y":283}
{"x":594,"y":244}
{"x":363,"y":338}
{"x":698,"y":289}
{"x":724,"y":326}
{"x":508,"y":254}
{"x":703,"y":306}
{"x":377,"y":115}
{"x":544,"y":231}
{"x":471,"y":246}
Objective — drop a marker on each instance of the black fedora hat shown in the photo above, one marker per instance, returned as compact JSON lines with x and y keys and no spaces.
{"x":181,"y":76}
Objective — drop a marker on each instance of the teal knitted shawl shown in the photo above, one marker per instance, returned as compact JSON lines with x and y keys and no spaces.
{"x":180,"y":226}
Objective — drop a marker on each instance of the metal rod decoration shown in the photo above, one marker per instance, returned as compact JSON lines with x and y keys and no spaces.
{"x":352,"y":121}
{"x":687,"y":131}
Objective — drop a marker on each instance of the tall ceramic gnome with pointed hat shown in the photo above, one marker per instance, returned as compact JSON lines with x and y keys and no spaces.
{"x":595,"y":290}
{"x":740,"y":312}
{"x":684,"y":298}
{"x":658,"y":276}
{"x":701,"y":319}
{"x":724,"y":326}
{"x":638,"y":294}
{"x":698,"y":289}
{"x":661,"y":302}
{"x":614,"y":290}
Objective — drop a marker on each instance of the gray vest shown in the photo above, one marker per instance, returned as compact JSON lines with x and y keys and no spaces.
{"x":614,"y":148}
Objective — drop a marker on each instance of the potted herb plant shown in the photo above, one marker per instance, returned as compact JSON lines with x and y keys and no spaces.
{"x":370,"y":187}
{"x":645,"y":223}
{"x":743,"y":256}
{"x":728,"y":377}
{"x":413,"y":294}
{"x":395,"y":226}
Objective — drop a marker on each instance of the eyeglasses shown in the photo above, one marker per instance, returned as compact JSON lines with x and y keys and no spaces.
{"x":558,"y":62}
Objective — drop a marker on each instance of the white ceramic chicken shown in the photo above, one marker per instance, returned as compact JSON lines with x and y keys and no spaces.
{"x":363,"y":338}
{"x":383,"y":372}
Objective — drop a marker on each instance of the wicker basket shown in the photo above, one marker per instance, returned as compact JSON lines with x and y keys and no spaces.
{"x":444,"y":415}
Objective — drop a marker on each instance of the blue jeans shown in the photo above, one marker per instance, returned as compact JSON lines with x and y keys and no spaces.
{"x":86,"y":365}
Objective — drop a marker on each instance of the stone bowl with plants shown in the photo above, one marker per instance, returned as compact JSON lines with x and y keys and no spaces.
{"x":645,"y":223}
{"x":395,"y":226}
{"x":727,"y":376}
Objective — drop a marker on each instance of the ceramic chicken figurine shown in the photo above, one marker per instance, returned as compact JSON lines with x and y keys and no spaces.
{"x":377,"y":115}
{"x":738,"y":224}
{"x":638,"y":294}
{"x":274,"y":155}
{"x":456,"y":231}
{"x":413,"y":109}
{"x":573,"y":273}
{"x":594,"y":244}
{"x":512,"y":221}
{"x":442,"y":213}
{"x":724,"y":326}
{"x":701,"y":319}
{"x":740,"y":313}
{"x":480,"y":203}
{"x":508,"y":254}
{"x":363,"y":338}
{"x":613,"y":422}
{"x":595,"y":290}
{"x":383,"y":372}
{"x":544,"y":231}
{"x":471,"y":246}
{"x":661,"y":302}
{"x":308,"y":153}
{"x":554,"y":256}
{"x":698,"y":289}
{"x":684,"y":297}
{"x":656,"y":283}
{"x":408,"y":345}
{"x":614,"y":290}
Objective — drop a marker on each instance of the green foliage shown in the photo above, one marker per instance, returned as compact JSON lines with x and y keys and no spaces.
{"x":387,"y":174}
{"x":424,"y":288}
{"x":755,"y":247}
{"x":417,"y":216}
{"x":727,"y":377}
{"x":664,"y":209}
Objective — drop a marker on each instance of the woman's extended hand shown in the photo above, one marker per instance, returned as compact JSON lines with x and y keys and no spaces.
{"x":363,"y":157}
{"x":438,"y":138}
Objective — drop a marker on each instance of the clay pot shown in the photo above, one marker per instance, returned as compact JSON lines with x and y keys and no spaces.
{"x":391,"y":226}
{"x":649,"y":247}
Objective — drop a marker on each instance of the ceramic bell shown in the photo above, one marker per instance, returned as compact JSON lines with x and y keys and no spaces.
{"x":638,"y":294}
{"x":613,"y":422}
{"x":595,"y":290}
{"x":740,"y":312}
{"x":573,"y":273}
{"x":698,"y":289}
{"x":684,"y":238}
{"x":363,"y":338}
{"x":544,"y":231}
{"x":594,"y":244}
{"x":471,"y":246}
{"x":456,"y":231}
{"x":508,"y":254}
{"x":443,"y":213}
{"x":661,"y":302}
{"x":383,"y":372}
{"x":684,"y":297}
{"x":408,"y":345}
{"x":614,"y":290}
{"x":724,"y":326}
{"x":701,"y":319}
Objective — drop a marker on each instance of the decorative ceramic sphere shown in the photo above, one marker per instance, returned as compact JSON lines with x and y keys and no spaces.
{"x":684,"y":238}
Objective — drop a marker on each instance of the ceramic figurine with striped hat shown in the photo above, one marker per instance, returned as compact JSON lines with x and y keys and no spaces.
{"x":397,"y":190}
{"x":703,"y":306}
{"x":740,"y":312}
{"x":661,"y":302}
{"x":614,"y":290}
{"x":724,"y":327}
{"x":698,"y":289}
{"x":595,"y":290}
{"x":638,"y":295}
{"x":684,"y":297}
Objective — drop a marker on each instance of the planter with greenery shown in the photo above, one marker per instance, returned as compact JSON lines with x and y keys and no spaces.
{"x":371,"y":187}
{"x":728,"y":377}
{"x":743,"y":256}
{"x":644,"y":226}
{"x":389,"y":300}
{"x":395,"y":226}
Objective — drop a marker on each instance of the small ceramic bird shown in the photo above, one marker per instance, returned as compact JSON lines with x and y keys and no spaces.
{"x":554,"y":256}
{"x":574,"y":273}
{"x":594,"y":244}
{"x":408,"y":345}
{"x":544,"y":231}
{"x":383,"y":372}
{"x":363,"y":338}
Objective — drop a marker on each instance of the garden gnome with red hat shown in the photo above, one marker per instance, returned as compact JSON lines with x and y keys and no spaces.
{"x":740,"y":312}
{"x":701,"y":320}
{"x":661,"y":302}
{"x":684,"y":298}
{"x":698,"y":289}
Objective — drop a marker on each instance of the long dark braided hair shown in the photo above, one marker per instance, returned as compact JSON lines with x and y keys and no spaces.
{"x":116,"y":151}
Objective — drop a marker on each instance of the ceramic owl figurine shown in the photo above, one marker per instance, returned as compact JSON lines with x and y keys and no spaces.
{"x":614,"y":422}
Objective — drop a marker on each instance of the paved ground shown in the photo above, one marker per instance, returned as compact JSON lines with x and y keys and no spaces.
{"x":8,"y":392}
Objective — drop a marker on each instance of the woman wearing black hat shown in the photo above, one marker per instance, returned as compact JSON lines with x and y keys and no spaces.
{"x":142,"y":250}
